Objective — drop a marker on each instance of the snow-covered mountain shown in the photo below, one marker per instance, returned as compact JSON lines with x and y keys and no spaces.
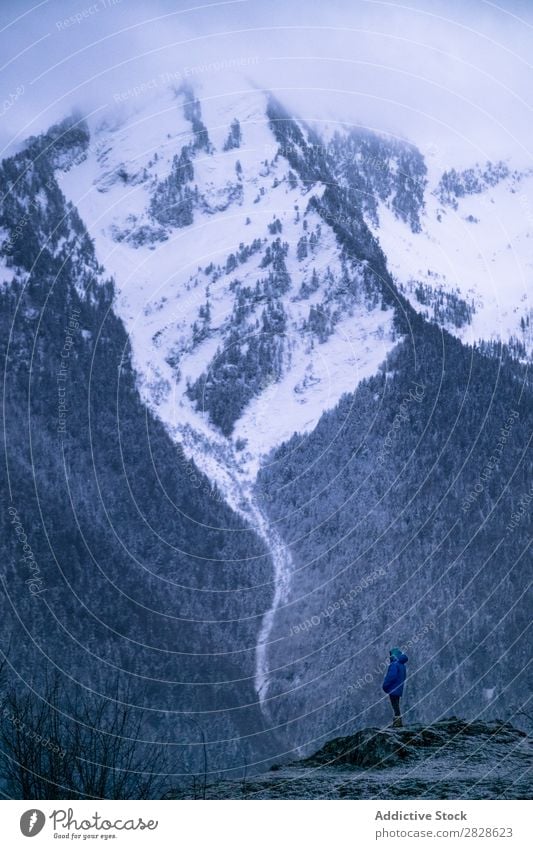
{"x":295,"y":306}
{"x":229,"y":228}
{"x":247,"y":318}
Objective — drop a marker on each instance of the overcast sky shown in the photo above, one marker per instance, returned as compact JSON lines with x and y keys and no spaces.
{"x":453,"y":75}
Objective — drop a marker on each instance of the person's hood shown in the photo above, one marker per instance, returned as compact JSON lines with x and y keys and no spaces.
{"x":398,"y":654}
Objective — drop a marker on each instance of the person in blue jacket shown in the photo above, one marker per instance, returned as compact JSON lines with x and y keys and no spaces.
{"x":394,"y":681}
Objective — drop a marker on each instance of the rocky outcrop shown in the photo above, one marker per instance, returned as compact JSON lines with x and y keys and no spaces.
{"x":449,"y":759}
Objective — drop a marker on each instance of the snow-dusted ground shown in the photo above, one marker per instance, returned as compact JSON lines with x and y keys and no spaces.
{"x":449,"y":759}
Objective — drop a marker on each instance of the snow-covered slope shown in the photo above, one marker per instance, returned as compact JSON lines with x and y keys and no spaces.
{"x":254,"y":266}
{"x":470,"y":267}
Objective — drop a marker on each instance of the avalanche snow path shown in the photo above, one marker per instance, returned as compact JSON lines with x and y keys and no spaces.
{"x":215,"y":457}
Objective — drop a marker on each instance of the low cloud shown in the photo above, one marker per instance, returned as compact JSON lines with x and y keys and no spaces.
{"x":448,"y":75}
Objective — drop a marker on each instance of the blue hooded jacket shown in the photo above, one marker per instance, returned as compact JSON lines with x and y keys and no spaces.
{"x":395,"y":677}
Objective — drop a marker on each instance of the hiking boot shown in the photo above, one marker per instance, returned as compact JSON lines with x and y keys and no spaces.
{"x":397,"y":722}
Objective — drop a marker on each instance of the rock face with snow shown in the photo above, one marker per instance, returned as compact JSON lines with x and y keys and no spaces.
{"x":291,"y":310}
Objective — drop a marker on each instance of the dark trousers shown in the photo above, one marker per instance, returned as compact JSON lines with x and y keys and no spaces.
{"x":395,"y":702}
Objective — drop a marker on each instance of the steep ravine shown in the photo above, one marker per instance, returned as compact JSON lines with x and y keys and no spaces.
{"x":216,"y":458}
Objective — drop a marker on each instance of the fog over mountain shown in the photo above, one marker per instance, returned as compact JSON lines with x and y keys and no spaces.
{"x":448,"y":74}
